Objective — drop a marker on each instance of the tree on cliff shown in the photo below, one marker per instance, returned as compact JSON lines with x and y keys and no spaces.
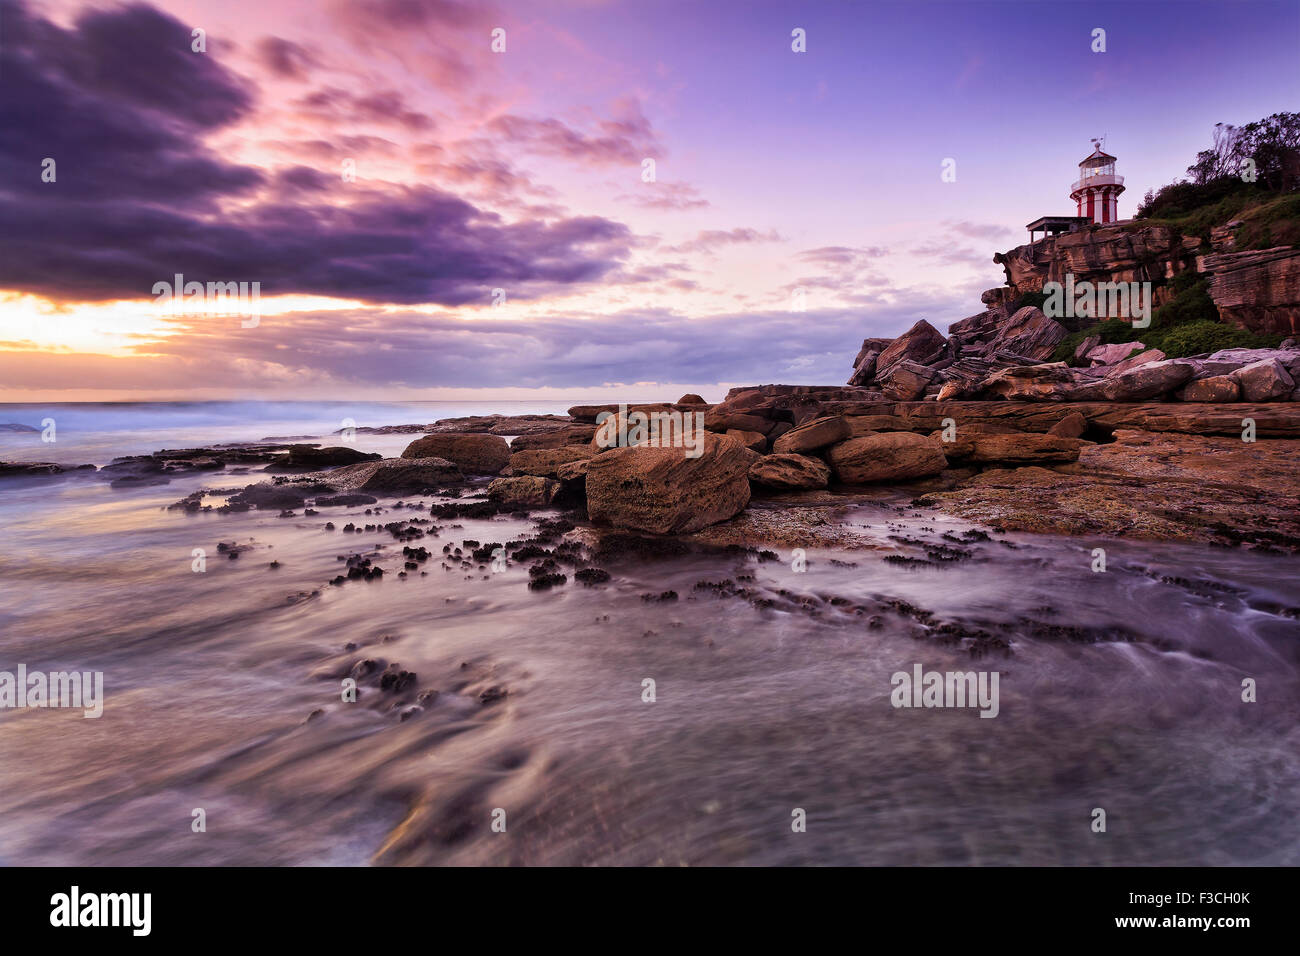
{"x":1220,"y":160}
{"x":1271,"y":144}
{"x":1274,"y":144}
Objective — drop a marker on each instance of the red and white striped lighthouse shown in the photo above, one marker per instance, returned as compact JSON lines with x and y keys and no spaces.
{"x":1096,"y":193}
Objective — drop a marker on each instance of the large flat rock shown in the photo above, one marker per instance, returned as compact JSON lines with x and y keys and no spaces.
{"x":1163,"y":486}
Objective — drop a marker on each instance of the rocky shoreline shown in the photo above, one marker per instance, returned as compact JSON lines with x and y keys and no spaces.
{"x":777,"y":462}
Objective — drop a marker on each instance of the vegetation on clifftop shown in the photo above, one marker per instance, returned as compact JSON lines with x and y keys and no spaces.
{"x":1273,"y":222}
{"x":1188,"y":324}
{"x":1265,"y":152}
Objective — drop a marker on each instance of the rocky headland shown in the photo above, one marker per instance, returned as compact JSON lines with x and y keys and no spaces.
{"x":1013,"y":419}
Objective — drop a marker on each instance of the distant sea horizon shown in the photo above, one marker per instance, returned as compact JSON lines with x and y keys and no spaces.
{"x":97,"y":432}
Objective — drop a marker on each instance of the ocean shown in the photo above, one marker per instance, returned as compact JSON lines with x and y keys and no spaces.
{"x":95,"y":433}
{"x":1120,"y":691}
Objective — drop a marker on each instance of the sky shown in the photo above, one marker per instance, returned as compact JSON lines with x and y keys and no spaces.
{"x":621,"y":200}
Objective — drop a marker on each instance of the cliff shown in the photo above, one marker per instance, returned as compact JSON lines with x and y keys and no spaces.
{"x":1222,"y":296}
{"x":1256,"y":289}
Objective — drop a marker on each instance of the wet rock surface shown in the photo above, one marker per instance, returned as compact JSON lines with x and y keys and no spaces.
{"x":664,"y":491}
{"x":1148,"y":485}
{"x":473,"y":454}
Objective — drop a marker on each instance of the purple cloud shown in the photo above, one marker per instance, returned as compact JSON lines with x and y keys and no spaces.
{"x":138,"y":197}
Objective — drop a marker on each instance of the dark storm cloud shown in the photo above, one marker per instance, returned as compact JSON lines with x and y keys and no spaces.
{"x":121,"y":104}
{"x":118,"y":127}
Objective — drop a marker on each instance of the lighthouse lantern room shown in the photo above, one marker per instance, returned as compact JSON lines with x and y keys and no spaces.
{"x":1096,"y":193}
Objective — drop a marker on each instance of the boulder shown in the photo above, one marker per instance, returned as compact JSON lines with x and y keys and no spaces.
{"x":866,"y":371}
{"x":755,"y":441}
{"x":1216,"y":388}
{"x":905,"y":381}
{"x":917,"y":344}
{"x":783,"y":472}
{"x":524,"y":491}
{"x":1072,"y":425}
{"x":546,"y":461}
{"x":644,"y":425}
{"x":1228,"y":360}
{"x":962,"y":443}
{"x":1116,"y":352}
{"x":887,"y":456}
{"x":399,"y":476}
{"x":779,"y":429}
{"x":723,"y":418}
{"x":662,"y":491}
{"x":742,"y":398}
{"x":1264,"y":381}
{"x":957,"y":446}
{"x":1142,"y":358}
{"x":1053,"y":382}
{"x":869,"y":347}
{"x":1087,"y":345}
{"x":1145,"y":381}
{"x":1024,"y":449}
{"x":864,"y":365}
{"x":690,"y":398}
{"x":311,"y":458}
{"x":576,"y":434}
{"x":473,"y":454}
{"x":573,"y":470}
{"x":810,"y":436}
{"x":1029,"y":333}
{"x":980,"y":327}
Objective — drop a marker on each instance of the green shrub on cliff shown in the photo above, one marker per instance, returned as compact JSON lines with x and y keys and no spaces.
{"x":1188,"y":324}
{"x":1274,"y":223}
{"x":1211,"y":204}
{"x":1194,"y":338}
{"x":1191,"y":302}
{"x":1245,"y":163}
{"x":1267,"y":153}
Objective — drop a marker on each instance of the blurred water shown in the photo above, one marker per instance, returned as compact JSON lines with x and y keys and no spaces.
{"x":96,"y":433}
{"x":1122,"y":691}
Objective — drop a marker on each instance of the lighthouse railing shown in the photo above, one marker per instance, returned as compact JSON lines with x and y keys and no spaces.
{"x":1109,"y":179}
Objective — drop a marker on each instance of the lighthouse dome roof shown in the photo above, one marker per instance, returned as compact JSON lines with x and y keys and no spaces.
{"x":1097,"y":158}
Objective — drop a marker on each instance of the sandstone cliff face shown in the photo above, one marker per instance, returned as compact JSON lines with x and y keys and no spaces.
{"x":1104,"y":254}
{"x":1001,"y":352}
{"x":1258,"y":291}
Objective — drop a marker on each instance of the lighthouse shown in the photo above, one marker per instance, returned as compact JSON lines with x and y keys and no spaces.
{"x":1096,"y":193}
